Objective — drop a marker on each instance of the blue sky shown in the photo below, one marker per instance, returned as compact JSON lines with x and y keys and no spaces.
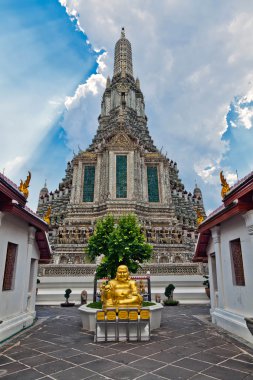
{"x":43,"y":59}
{"x":193,"y":60}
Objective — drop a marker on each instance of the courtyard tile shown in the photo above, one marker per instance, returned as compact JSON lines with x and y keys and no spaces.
{"x":8,"y":368}
{"x":245,"y":358}
{"x":27,"y":374}
{"x":150,"y":376}
{"x":53,"y":367}
{"x":208,"y":357}
{"x":239,"y":365}
{"x":94,"y":349}
{"x":147,"y":365}
{"x":101,"y":365}
{"x":124,"y":359}
{"x":185,"y":347}
{"x":174,"y":373}
{"x":81,"y":359}
{"x":5,"y":360}
{"x":65,"y":353}
{"x":123,"y":373}
{"x":76,"y":373}
{"x":192,"y":364}
{"x":36,"y":360}
{"x":224,"y":373}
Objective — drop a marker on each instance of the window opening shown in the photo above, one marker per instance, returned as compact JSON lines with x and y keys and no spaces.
{"x":10,"y":267}
{"x":153,"y":188}
{"x":237,"y":262}
{"x":121,"y":176}
{"x":89,"y":181}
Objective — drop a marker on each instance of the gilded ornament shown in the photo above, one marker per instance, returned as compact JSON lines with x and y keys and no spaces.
{"x":89,"y":155}
{"x":121,"y":140}
{"x":152,"y":155}
{"x":121,"y":291}
{"x":200,"y":217}
{"x":47,"y":215}
{"x":23,"y":187}
{"x":225,"y":186}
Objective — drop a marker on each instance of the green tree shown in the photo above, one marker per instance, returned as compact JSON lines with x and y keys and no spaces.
{"x":121,"y":243}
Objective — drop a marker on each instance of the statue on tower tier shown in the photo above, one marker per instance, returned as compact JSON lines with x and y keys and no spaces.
{"x":121,"y":292}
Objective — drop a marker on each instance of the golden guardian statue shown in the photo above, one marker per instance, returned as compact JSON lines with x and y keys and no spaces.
{"x":23,"y":187}
{"x":225,"y":186}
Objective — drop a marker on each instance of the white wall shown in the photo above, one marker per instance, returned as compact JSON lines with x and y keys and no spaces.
{"x":237,"y":300}
{"x":17,"y":305}
{"x":231,"y":303}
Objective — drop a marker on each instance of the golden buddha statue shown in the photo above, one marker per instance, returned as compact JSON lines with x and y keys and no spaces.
{"x":121,"y":292}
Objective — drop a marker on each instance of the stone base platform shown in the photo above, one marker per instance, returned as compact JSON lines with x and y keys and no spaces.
{"x":15,"y":324}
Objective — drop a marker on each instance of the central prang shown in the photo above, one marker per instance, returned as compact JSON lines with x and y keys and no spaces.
{"x":121,"y":291}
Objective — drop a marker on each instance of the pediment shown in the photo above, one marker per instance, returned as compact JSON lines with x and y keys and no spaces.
{"x":121,"y":140}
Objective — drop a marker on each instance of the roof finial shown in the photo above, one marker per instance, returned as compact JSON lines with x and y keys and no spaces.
{"x":122,"y":32}
{"x":225,"y":186}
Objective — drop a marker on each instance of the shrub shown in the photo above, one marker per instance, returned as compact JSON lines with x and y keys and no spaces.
{"x":146,"y":303}
{"x":95,"y":305}
{"x":67,"y":294}
{"x":169,"y":291}
{"x":206,"y":282}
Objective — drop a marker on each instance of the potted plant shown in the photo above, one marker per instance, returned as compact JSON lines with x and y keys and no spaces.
{"x":67,"y":295}
{"x":169,"y":294}
{"x":207,"y":285}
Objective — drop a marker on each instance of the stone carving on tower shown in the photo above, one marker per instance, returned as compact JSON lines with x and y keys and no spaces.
{"x":122,"y":172}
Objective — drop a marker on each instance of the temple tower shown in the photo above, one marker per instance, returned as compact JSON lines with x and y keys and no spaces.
{"x":122,"y":172}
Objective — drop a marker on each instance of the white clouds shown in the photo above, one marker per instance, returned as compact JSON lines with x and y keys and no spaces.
{"x":14,"y":165}
{"x":240,"y":30}
{"x":206,"y":171}
{"x":231,"y":178}
{"x":245,"y":116}
{"x":92,"y":85}
{"x":244,"y":110}
{"x":81,"y":110}
{"x":192,"y":60}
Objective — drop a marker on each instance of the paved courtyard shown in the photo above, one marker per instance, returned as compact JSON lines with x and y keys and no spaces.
{"x":186,"y":346}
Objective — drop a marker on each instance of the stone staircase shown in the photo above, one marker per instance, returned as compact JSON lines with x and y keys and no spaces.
{"x":54,"y":280}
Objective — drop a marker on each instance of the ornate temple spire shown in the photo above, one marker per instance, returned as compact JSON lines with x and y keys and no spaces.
{"x":123,"y":56}
{"x":108,"y":82}
{"x":123,"y":105}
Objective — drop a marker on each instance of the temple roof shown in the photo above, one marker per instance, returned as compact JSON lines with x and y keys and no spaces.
{"x":12,"y":201}
{"x":237,"y":201}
